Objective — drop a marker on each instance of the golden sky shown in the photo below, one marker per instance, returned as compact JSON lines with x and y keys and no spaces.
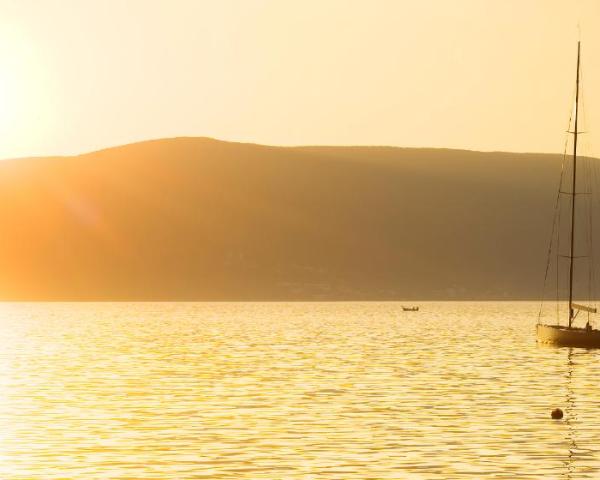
{"x":78,"y":75}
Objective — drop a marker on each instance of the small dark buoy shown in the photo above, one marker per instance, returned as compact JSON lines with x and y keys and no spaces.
{"x":557,"y":414}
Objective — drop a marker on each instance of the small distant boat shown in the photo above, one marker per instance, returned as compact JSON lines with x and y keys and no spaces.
{"x":410,"y":309}
{"x":569,"y":335}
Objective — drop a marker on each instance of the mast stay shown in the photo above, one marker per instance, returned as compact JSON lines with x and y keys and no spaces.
{"x":573,"y":252}
{"x":573,"y":192}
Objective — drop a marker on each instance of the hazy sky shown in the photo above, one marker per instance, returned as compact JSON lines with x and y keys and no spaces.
{"x":78,"y":75}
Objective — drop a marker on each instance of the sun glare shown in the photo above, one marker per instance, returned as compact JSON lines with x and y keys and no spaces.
{"x":8,"y":95}
{"x":24,"y":92}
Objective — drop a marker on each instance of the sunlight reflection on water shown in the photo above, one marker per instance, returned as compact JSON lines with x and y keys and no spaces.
{"x":291,"y":390}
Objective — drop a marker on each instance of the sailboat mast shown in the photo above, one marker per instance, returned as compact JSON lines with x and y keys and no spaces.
{"x":574,"y":194}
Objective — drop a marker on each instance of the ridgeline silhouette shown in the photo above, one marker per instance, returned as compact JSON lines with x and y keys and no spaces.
{"x":201,"y":219}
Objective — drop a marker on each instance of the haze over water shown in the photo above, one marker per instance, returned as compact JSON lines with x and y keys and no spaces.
{"x":291,"y":390}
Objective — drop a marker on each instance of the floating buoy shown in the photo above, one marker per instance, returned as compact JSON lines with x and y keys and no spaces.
{"x":557,"y":414}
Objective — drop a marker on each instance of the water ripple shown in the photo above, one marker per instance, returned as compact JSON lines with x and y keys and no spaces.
{"x":291,"y":390}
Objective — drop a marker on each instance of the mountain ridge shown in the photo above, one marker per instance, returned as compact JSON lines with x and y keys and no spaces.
{"x":256,"y":144}
{"x":195,"y":218}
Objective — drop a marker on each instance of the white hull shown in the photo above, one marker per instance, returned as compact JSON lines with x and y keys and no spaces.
{"x":568,"y":337}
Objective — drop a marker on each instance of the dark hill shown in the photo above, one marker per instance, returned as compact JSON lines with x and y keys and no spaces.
{"x":201,"y":219}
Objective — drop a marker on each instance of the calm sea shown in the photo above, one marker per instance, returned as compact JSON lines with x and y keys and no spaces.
{"x":291,"y":391}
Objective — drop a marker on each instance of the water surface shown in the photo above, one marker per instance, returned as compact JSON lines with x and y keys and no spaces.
{"x":291,"y":391}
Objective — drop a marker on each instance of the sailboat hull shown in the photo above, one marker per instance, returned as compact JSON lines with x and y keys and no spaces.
{"x":568,"y":337}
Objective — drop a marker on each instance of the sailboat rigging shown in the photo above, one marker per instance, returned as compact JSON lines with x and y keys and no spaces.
{"x":570,"y":335}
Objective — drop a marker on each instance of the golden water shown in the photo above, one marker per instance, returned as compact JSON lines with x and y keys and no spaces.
{"x":291,"y":391}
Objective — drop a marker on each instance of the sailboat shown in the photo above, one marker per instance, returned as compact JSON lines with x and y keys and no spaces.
{"x":570,"y":335}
